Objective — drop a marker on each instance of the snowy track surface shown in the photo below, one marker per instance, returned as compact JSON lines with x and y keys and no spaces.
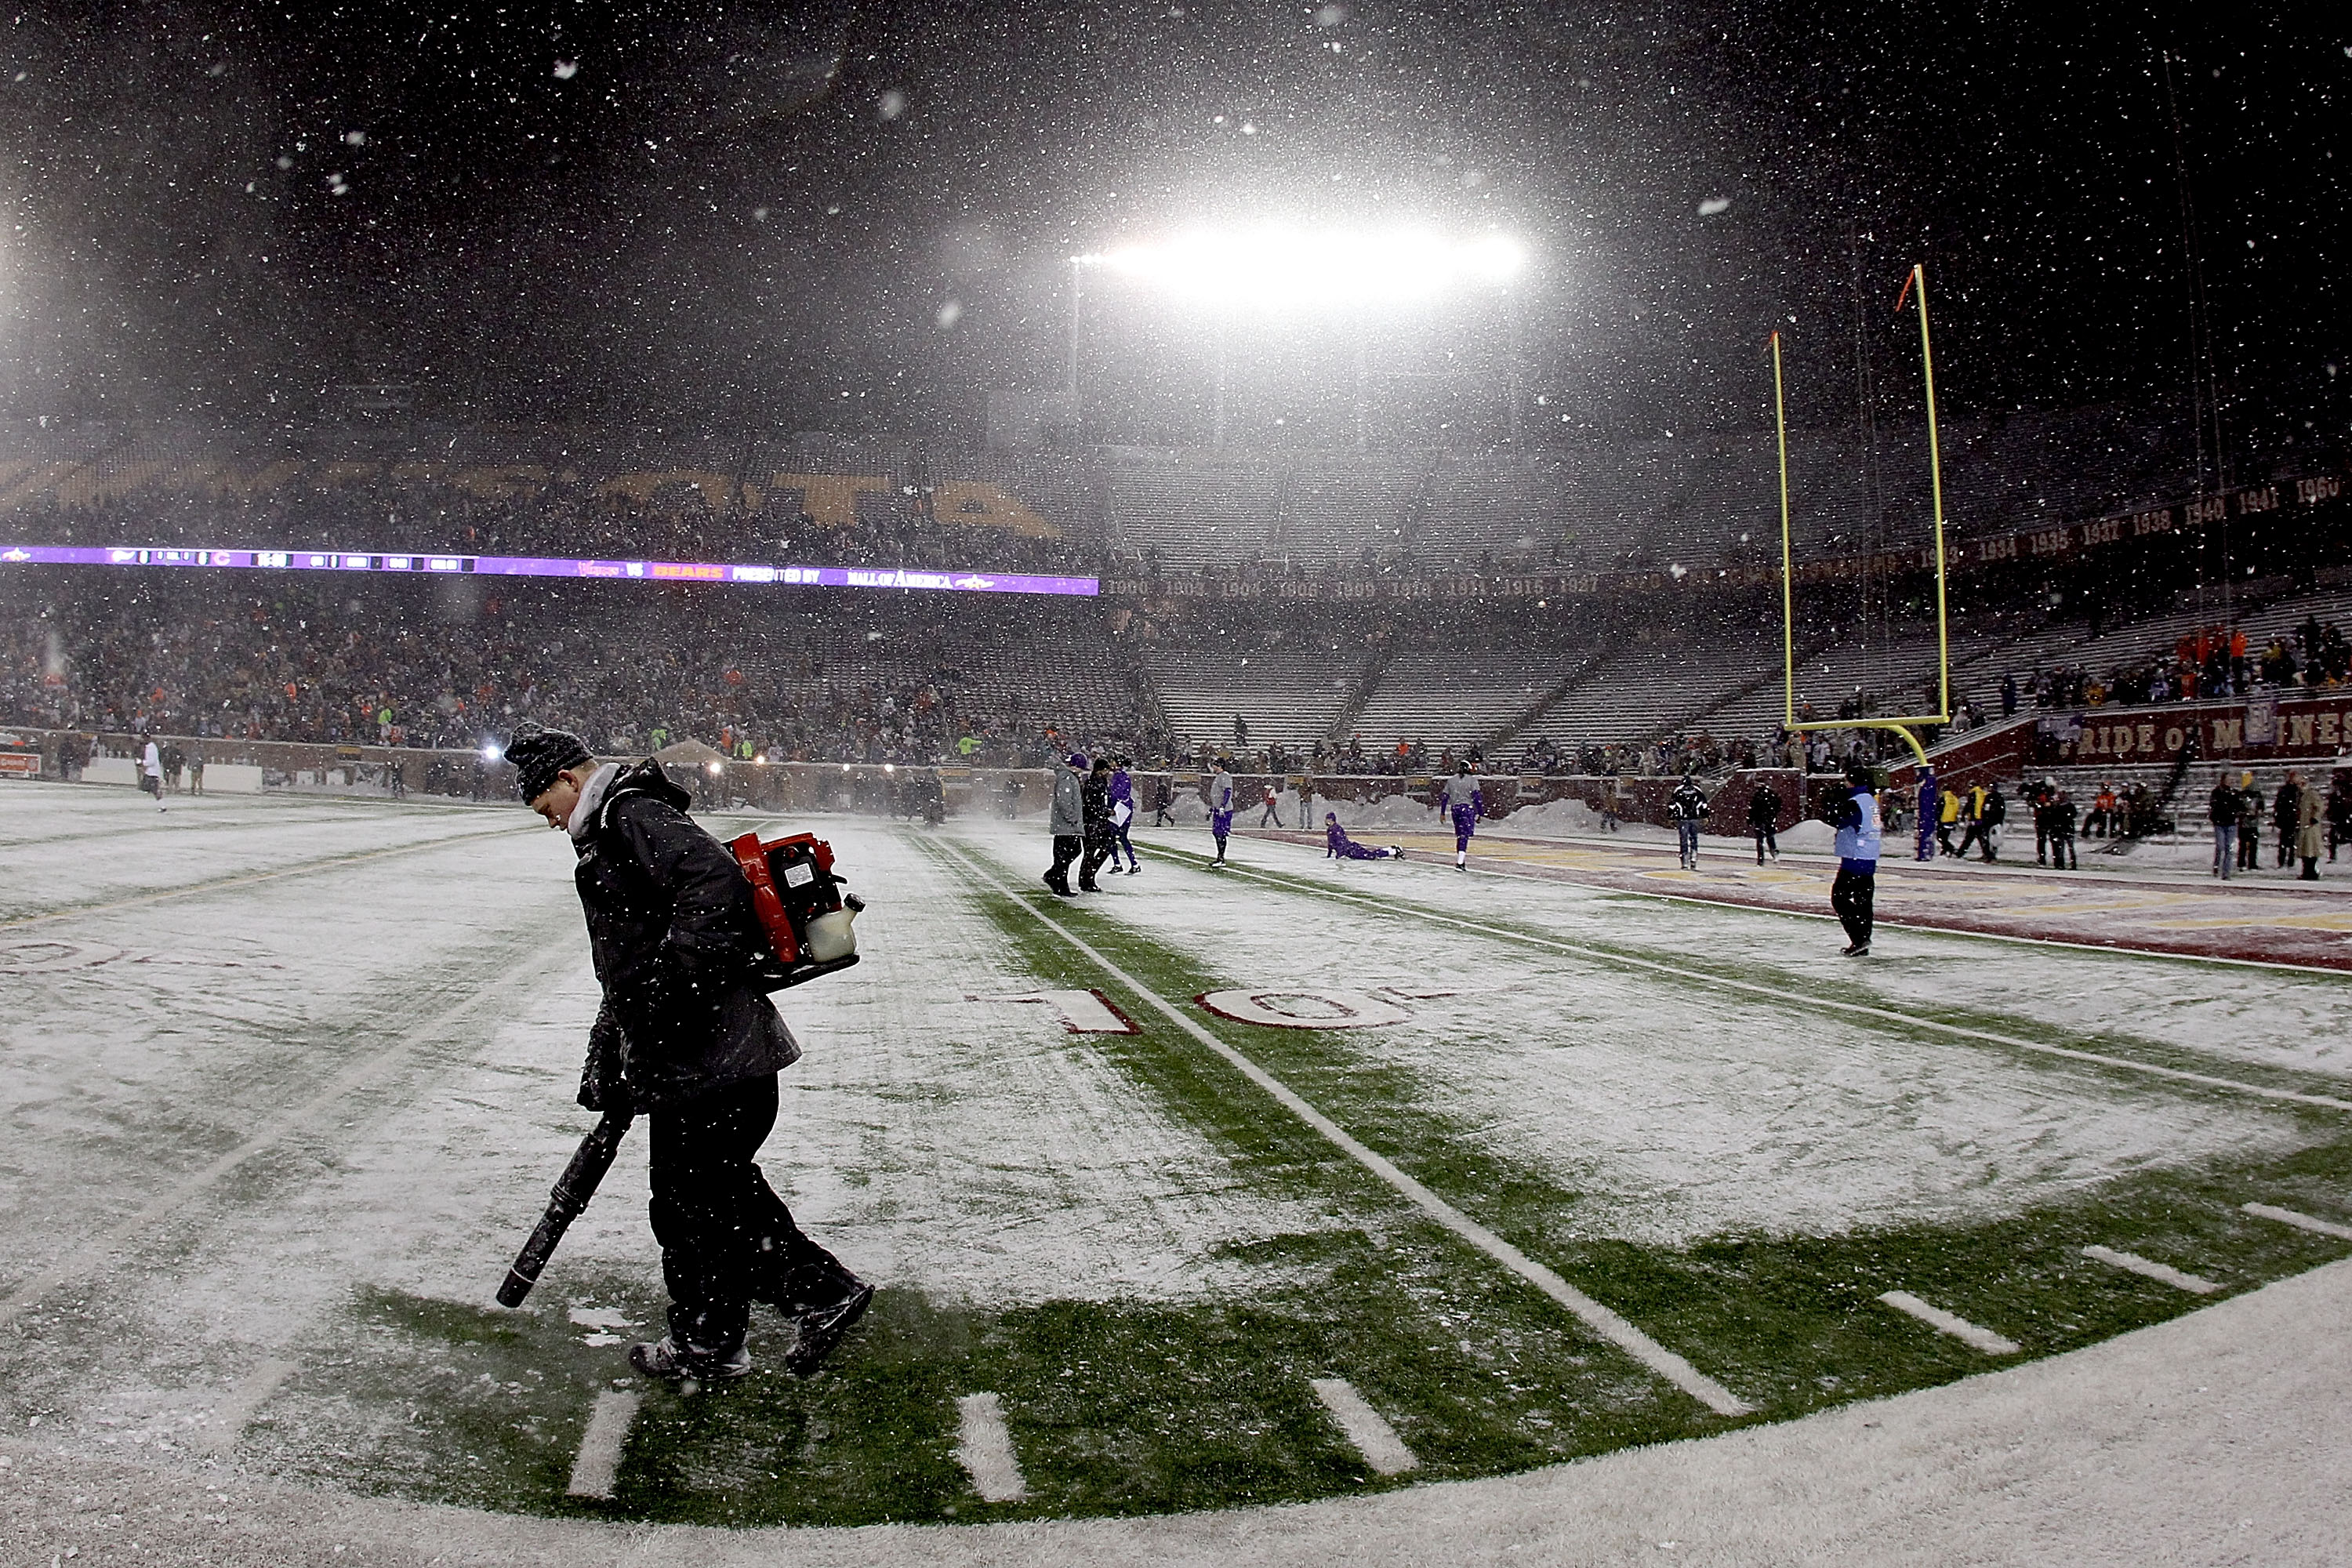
{"x":287,"y":1083}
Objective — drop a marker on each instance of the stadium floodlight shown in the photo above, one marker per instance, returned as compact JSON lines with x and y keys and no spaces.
{"x":489,"y":753}
{"x":1281,"y":268}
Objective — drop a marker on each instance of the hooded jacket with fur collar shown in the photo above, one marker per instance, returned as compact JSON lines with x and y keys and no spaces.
{"x":671,"y":923}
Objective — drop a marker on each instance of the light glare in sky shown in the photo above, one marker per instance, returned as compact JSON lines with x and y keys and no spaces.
{"x":1277,"y":268}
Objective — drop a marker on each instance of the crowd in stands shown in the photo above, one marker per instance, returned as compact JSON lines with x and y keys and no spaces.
{"x":300,"y":664}
{"x":2205,"y":662}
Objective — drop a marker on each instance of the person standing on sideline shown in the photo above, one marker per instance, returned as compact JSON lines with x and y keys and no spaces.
{"x":2310,"y":812}
{"x":197,"y":767}
{"x":1991,"y":815}
{"x":1608,"y":800}
{"x":2339,"y":816}
{"x":2062,"y":832}
{"x":2250,"y":823}
{"x":1094,"y":810}
{"x":1972,"y":818}
{"x":1163,"y":798}
{"x":1122,"y":815}
{"x":1763,"y":816}
{"x":1855,"y":890}
{"x":1462,"y":800}
{"x":2286,"y":814}
{"x":685,"y":1039}
{"x":151,"y":772}
{"x":1067,"y":824}
{"x":2222,"y":809}
{"x":1272,"y":812}
{"x":1687,"y":808}
{"x":1221,"y":807}
{"x":1948,"y":817}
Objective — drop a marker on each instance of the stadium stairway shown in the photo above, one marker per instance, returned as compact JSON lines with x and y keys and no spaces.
{"x":1560,"y":691}
{"x":1368,"y":677}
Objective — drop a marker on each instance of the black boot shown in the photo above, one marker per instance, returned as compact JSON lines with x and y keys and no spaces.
{"x":825,"y":1300}
{"x":703,"y":1342}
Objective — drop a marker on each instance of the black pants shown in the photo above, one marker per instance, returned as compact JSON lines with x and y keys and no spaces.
{"x":1766,"y":843}
{"x":1851,"y":895}
{"x":726,"y":1239}
{"x":2062,"y":852}
{"x":1099,"y":849}
{"x":1065,"y":850}
{"x":2249,"y":847}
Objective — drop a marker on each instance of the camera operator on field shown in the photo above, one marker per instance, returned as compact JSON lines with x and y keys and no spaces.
{"x":684,"y":1038}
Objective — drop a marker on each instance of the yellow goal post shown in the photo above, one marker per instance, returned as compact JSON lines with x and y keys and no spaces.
{"x":1914,"y":283}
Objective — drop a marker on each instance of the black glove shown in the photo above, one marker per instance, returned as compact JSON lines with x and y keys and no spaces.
{"x":604,"y":1088}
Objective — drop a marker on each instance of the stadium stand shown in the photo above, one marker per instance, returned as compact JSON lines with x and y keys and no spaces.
{"x":1477,"y":693}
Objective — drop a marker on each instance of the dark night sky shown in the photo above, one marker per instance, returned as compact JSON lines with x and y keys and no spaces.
{"x":737,"y":214}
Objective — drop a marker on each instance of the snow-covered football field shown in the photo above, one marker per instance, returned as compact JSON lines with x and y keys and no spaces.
{"x":1291,"y":1180}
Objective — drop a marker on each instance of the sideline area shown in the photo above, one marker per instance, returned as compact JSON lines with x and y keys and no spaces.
{"x":2224,"y":1436}
{"x":2159,"y":910}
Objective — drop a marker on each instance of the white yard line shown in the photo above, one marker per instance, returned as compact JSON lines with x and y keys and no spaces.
{"x":1601,"y":1320}
{"x":93,"y":1253}
{"x":2300,"y":1221}
{"x":985,"y":1448}
{"x":1952,"y":1323}
{"x":2194,"y":1284}
{"x":307,"y":869}
{"x":241,"y":1403}
{"x":1365,"y":1426}
{"x":1808,"y":1000}
{"x":593,"y":1473}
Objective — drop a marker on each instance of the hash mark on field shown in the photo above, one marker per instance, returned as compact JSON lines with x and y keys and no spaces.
{"x":599,"y":1464}
{"x":2194,"y":1284}
{"x":244,"y":1401}
{"x":1952,"y":1323}
{"x":2300,"y":1221}
{"x":1604,"y":1321}
{"x":985,"y":1448}
{"x":1365,"y":1426}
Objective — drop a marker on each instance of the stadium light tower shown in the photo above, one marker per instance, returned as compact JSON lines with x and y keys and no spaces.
{"x":1290,"y":270}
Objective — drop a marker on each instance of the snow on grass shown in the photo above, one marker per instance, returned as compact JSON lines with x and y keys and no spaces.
{"x":2292,"y":1022}
{"x":69,"y":846}
{"x":978,"y":1151}
{"x":1672,"y":1113}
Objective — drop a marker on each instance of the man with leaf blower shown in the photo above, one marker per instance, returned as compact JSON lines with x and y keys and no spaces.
{"x":688,"y":1039}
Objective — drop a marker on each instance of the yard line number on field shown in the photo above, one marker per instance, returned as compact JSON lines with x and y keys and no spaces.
{"x":1602,"y":1320}
{"x":1857,"y":1009}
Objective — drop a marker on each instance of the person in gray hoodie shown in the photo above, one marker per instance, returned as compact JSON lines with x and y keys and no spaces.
{"x":1067,"y":824}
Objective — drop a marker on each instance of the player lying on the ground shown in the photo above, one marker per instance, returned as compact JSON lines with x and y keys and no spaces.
{"x":1338,"y":845}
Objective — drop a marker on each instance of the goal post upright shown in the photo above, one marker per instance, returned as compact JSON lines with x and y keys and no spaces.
{"x":1905,"y":725}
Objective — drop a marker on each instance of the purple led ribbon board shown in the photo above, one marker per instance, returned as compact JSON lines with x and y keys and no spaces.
{"x":551,"y":566}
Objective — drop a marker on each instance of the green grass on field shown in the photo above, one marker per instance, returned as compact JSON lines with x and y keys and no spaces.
{"x":1142,"y":1406}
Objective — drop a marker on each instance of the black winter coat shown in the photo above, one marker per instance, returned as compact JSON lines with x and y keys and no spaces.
{"x":671,"y":922}
{"x":1764,"y":808}
{"x":1094,"y":807}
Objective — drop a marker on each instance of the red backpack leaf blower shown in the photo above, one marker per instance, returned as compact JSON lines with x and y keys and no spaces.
{"x":801,"y":906}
